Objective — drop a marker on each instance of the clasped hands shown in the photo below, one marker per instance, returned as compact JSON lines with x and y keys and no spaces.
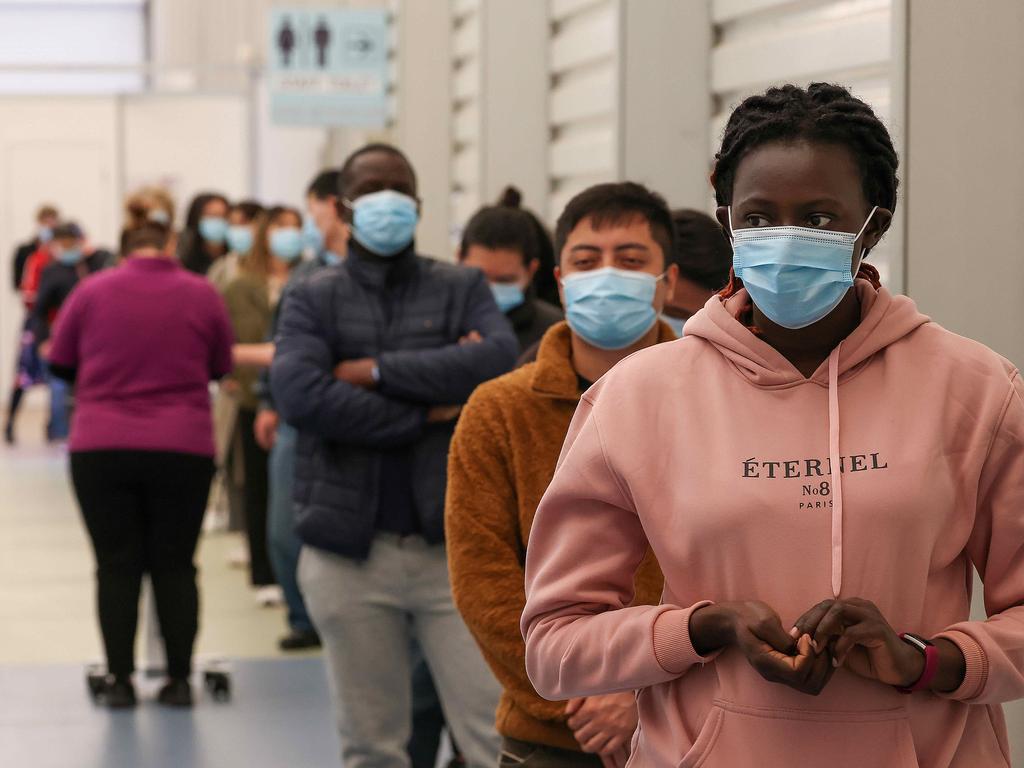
{"x":850,"y":633}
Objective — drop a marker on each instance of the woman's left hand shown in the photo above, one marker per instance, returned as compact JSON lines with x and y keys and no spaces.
{"x":865,"y":643}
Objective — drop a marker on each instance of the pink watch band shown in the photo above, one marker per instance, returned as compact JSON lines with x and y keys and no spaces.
{"x":931,"y":662}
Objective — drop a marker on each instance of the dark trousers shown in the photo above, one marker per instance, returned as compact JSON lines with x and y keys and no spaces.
{"x":144,"y":511}
{"x":257,"y":497}
{"x":523,"y":754}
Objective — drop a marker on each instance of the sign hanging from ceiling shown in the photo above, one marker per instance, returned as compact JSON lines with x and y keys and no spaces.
{"x":328,"y":66}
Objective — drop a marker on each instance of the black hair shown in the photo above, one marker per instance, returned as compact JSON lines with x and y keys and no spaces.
{"x":68,"y":230}
{"x":702,"y":249}
{"x":195,"y":208}
{"x":504,"y":225}
{"x":544,"y":282}
{"x":325,"y":184}
{"x":616,"y":202}
{"x":191,"y":249}
{"x":822,"y":113}
{"x":345,"y":174}
{"x":249,"y":208}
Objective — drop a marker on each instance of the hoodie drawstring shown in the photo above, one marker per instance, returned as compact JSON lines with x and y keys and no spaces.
{"x":836,"y":470}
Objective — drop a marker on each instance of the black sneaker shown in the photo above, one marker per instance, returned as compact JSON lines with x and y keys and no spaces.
{"x":118,"y":693}
{"x":176,"y":693}
{"x":299,"y":640}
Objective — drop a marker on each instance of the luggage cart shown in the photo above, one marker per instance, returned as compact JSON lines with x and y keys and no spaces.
{"x":215,"y":672}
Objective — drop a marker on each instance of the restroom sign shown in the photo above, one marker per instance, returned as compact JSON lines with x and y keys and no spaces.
{"x":328,"y":66}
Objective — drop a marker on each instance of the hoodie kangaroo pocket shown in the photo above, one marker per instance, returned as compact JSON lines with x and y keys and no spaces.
{"x":736,"y":736}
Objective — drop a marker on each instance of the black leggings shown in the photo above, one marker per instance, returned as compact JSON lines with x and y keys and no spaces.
{"x":144,"y":511}
{"x":257,"y":497}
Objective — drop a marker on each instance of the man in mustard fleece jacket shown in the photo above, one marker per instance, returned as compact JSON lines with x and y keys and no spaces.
{"x":616,"y":246}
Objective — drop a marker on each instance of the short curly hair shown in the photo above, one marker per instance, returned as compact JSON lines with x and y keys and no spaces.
{"x":821,"y":112}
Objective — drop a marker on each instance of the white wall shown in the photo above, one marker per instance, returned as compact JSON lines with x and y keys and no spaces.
{"x":187,"y":143}
{"x":964,"y":182}
{"x":965,"y":168}
{"x":62,"y":151}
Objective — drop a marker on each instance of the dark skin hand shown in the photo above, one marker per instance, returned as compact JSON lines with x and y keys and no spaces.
{"x":814,"y":185}
{"x":865,"y":644}
{"x":755,"y":629}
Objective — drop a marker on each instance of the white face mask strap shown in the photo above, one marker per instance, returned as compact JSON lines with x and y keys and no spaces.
{"x":863,"y":250}
{"x":731,"y":233}
{"x":866,"y":222}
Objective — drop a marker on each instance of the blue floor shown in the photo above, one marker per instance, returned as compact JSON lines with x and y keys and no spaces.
{"x":279,"y":717}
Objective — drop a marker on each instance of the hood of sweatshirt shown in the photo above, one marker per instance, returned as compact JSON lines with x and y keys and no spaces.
{"x":885,"y":319}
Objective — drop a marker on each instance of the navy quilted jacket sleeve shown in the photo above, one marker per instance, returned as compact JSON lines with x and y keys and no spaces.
{"x":310,"y":398}
{"x":448,"y":375}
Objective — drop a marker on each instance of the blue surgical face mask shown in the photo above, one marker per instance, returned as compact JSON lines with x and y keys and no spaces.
{"x":610,"y":308}
{"x":312,"y":237}
{"x":795,"y":275}
{"x":384,"y":222}
{"x":286,"y":243}
{"x":240,"y":238}
{"x":70,"y":256}
{"x":159,"y":215}
{"x":508,"y":296}
{"x":45,"y":234}
{"x":213,"y":229}
{"x":675,"y":323}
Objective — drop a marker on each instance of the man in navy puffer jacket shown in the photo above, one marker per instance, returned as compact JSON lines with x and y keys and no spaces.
{"x":373,"y":361}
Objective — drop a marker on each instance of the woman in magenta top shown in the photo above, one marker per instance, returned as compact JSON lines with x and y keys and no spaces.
{"x":141,"y":343}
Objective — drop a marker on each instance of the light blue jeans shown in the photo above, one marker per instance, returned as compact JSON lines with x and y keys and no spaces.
{"x":60,"y":409}
{"x":282,"y":542}
{"x":367,"y":614}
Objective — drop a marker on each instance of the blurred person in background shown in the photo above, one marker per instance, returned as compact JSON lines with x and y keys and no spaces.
{"x":277,"y":436}
{"x":251,"y":298}
{"x":72,"y":260}
{"x":142,"y":442}
{"x":228,"y":498}
{"x":544,"y":282}
{"x":617,"y":270}
{"x":46,"y":219}
{"x":704,"y":258}
{"x":502,"y":241}
{"x":147,"y":204}
{"x":374,"y":359}
{"x":29,"y":369}
{"x":203,"y":240}
{"x":241,"y":234}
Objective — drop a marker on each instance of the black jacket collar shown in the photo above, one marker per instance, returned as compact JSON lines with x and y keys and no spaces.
{"x":380,"y":271}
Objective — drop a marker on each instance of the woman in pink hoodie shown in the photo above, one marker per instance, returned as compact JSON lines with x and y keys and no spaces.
{"x":817,"y":467}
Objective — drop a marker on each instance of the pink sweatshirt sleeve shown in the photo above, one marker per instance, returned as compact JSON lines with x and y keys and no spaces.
{"x":585,"y":546}
{"x":994,"y":649}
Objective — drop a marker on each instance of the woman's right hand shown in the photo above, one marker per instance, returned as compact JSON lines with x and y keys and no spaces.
{"x":755,"y":629}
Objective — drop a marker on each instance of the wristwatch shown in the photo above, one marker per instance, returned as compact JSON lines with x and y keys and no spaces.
{"x":931,"y":662}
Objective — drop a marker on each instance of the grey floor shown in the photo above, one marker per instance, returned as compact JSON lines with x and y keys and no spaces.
{"x":279,"y":717}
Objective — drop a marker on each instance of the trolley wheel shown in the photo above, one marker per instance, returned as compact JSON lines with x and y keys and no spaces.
{"x":96,"y":681}
{"x":218,"y":683}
